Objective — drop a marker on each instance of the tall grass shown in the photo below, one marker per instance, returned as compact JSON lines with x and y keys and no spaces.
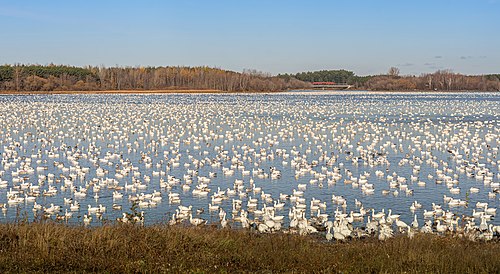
{"x":51,"y":247}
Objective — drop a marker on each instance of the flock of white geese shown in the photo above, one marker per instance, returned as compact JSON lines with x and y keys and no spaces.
{"x":345,"y":165}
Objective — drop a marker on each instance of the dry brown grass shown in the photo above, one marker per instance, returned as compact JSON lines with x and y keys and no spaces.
{"x":50,"y":247}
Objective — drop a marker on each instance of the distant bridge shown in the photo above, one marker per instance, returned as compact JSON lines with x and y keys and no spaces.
{"x":336,"y":86}
{"x":330,"y":85}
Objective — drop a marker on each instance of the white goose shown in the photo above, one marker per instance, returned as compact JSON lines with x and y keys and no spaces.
{"x":196,"y":221}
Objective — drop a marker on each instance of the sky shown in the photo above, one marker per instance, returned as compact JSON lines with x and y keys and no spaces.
{"x":274,"y":36}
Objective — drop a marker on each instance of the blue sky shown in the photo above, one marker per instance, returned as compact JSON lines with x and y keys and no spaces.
{"x":365,"y":36}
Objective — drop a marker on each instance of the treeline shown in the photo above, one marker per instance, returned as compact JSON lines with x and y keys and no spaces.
{"x":439,"y":80}
{"x":337,"y":76}
{"x":63,"y":78}
{"x":443,"y":80}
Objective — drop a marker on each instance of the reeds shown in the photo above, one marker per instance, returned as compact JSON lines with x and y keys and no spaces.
{"x":52,"y":247}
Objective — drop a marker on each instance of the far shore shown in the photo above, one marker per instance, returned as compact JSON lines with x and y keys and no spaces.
{"x":13,"y":92}
{"x":213,"y":91}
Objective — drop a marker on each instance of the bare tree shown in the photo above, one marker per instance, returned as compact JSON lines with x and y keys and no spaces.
{"x":393,"y":71}
{"x":18,"y":70}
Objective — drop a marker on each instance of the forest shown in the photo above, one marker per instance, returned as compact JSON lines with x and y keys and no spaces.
{"x":65,"y":78}
{"x":444,"y":80}
{"x":52,"y":77}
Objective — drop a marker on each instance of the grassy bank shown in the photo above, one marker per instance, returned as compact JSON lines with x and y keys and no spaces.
{"x":121,"y":248}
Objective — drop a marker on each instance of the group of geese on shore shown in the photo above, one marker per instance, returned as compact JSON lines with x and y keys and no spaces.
{"x":341,"y":226}
{"x":100,"y":156}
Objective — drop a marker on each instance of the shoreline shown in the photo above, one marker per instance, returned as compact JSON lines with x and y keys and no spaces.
{"x":10,"y":92}
{"x":202,"y":91}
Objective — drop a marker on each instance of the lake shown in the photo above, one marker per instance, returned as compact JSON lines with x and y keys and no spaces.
{"x":385,"y":150}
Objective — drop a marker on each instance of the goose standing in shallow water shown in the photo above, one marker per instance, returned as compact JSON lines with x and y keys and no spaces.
{"x":414,"y":224}
{"x":87,"y":219}
{"x":196,"y":221}
{"x":329,"y":235}
{"x":223,"y":222}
